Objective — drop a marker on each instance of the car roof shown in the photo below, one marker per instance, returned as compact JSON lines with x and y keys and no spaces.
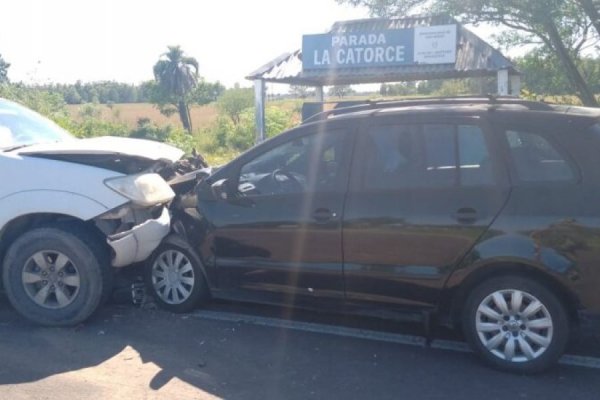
{"x":465,"y":106}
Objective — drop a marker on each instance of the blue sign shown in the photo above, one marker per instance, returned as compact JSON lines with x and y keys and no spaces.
{"x":384,"y":48}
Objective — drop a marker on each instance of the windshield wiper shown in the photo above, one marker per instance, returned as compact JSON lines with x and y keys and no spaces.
{"x":15,"y":147}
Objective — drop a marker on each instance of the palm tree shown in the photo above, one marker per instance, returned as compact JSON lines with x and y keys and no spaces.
{"x":177,"y":76}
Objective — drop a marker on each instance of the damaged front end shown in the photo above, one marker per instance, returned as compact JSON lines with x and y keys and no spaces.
{"x":152,"y":176}
{"x":134,"y":230}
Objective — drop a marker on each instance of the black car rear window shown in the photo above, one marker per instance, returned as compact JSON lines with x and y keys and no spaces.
{"x":536,"y":159}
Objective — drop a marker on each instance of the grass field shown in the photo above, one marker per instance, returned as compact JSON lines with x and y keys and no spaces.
{"x":202,"y":116}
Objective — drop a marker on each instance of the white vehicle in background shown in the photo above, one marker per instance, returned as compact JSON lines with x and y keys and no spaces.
{"x":73,"y":209}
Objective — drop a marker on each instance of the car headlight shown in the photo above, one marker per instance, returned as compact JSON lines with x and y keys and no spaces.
{"x":142,"y":189}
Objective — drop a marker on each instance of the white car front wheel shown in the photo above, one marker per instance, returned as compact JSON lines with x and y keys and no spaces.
{"x":55,"y":276}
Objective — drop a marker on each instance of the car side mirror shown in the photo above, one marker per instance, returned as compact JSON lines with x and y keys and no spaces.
{"x":222,"y":190}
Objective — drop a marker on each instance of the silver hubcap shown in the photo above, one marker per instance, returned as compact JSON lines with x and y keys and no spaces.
{"x":514,"y":325}
{"x":51,"y":279}
{"x":173,"y":277}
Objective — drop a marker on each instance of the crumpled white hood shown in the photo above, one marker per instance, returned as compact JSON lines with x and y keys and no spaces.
{"x":108,"y":145}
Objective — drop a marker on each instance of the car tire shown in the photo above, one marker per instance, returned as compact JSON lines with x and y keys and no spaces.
{"x":515,"y":324}
{"x":174,"y":275}
{"x":56,"y":276}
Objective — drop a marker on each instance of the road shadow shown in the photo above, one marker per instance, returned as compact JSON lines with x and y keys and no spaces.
{"x":243,"y":361}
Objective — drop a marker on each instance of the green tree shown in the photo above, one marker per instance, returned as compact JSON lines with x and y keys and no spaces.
{"x":398,"y":89}
{"x":234,"y":101}
{"x":559,"y":26}
{"x":177,"y":76}
{"x":340,"y":91}
{"x":226,"y":136}
{"x":301,"y":92}
{"x":542,"y":74}
{"x":71,"y":96}
{"x":592,"y":10}
{"x":3,"y":70}
{"x":207,"y":92}
{"x":48,"y":103}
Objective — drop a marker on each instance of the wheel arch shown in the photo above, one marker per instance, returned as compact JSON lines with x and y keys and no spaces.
{"x":194,"y":232}
{"x":179,"y":239}
{"x":454,"y":299}
{"x":199,"y":293}
{"x":19,"y":225}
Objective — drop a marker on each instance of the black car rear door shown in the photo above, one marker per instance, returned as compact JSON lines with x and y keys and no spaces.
{"x":421,"y":194}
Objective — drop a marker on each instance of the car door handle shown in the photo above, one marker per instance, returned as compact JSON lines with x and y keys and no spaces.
{"x":323,"y":215}
{"x":466,"y":215}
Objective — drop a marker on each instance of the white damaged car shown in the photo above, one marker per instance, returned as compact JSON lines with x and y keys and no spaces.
{"x":73,"y":209}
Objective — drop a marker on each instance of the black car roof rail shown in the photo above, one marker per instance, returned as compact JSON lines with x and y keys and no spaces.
{"x":382,"y":104}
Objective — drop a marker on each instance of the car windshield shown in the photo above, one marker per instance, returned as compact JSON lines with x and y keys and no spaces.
{"x":20,"y":126}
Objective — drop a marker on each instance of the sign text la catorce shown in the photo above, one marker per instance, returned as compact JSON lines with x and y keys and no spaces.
{"x":359,"y":49}
{"x":377,"y":49}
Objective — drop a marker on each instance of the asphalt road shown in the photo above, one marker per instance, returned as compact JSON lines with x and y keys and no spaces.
{"x":241,"y":352}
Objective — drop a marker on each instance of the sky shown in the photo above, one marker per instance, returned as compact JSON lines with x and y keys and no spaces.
{"x":62,"y":41}
{"x":91,"y":40}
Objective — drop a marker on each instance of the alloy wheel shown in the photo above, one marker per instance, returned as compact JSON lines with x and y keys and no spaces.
{"x":51,"y":279}
{"x":514,"y":325}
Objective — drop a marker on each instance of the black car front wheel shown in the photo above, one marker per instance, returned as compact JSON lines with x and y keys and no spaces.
{"x":175,"y":277}
{"x":516,"y":324}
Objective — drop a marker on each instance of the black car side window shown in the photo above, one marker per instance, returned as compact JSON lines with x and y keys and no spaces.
{"x":474,"y":158}
{"x":391,"y":157}
{"x":536,"y":160}
{"x":429,"y":155}
{"x":440,"y":155}
{"x":304,"y":164}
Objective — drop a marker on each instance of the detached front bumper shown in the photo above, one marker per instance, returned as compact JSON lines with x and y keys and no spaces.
{"x":137,"y":244}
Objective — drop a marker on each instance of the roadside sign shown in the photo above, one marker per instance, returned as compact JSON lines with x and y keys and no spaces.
{"x":383,"y":48}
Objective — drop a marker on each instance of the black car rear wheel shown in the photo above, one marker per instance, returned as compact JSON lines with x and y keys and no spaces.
{"x":516,"y":324}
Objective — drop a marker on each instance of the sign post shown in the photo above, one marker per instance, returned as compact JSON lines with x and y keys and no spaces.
{"x":259,"y":110}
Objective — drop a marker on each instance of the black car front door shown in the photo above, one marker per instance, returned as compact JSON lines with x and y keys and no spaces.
{"x":280,"y":238}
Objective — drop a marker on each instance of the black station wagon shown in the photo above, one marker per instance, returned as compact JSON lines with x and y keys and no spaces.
{"x":483,"y":213}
